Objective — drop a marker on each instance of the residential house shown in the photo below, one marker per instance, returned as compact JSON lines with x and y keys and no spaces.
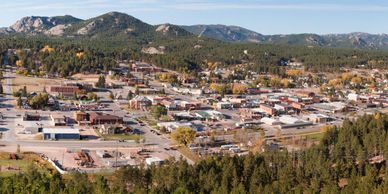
{"x":140,"y":103}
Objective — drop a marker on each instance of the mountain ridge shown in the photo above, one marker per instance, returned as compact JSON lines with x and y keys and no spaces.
{"x":123,"y":26}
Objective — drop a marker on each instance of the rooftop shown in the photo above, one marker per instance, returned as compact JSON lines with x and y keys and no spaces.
{"x":61,"y":130}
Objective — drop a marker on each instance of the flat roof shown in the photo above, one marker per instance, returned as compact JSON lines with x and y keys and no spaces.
{"x":61,"y":130}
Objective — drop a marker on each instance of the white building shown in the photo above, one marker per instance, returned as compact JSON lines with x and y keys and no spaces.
{"x":270,"y":121}
{"x":153,"y":160}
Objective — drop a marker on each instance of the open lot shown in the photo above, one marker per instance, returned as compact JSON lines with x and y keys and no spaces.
{"x":35,"y":84}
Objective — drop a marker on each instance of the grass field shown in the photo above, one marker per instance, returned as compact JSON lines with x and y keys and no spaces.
{"x":119,"y":136}
{"x":315,"y":137}
{"x":189,"y":154}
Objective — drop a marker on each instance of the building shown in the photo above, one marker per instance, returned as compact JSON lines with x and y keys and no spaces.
{"x":114,"y":129}
{"x":140,"y":103}
{"x":270,"y":121}
{"x":268,"y":109}
{"x":65,"y":91}
{"x":332,"y":107}
{"x":97,"y":118}
{"x":58,"y":120}
{"x":292,"y":122}
{"x":317,"y":118}
{"x":61,"y":134}
{"x":282,"y":107}
{"x":153,"y":161}
{"x":144,"y":68}
{"x":31,"y":117}
{"x":223,"y":105}
{"x":210,"y":115}
{"x":81,"y":117}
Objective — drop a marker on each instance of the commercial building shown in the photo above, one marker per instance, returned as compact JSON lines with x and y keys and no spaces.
{"x":268,"y":109}
{"x":292,"y":122}
{"x":97,"y":118}
{"x":65,"y":91}
{"x":31,"y":117}
{"x":332,"y":107}
{"x":317,"y":118}
{"x":61,"y":134}
{"x":270,"y":121}
{"x":153,"y":161}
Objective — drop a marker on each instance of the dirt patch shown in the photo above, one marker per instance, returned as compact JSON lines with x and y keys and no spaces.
{"x":35,"y":84}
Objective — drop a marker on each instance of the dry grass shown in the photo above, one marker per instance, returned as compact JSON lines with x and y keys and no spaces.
{"x":26,"y":161}
{"x":33,"y":83}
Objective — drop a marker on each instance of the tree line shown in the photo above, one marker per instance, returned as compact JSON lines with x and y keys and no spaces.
{"x":342,"y":162}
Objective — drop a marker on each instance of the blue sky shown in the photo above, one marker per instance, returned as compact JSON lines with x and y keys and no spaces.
{"x":263,"y":16}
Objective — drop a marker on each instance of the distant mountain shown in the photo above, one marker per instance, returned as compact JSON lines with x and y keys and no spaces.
{"x":226,"y":33}
{"x":45,"y":25}
{"x":239,"y":34}
{"x":114,"y":25}
{"x":120,"y":26}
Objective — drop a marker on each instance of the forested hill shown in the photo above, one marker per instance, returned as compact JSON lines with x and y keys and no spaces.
{"x":123,"y":27}
{"x":350,"y":159}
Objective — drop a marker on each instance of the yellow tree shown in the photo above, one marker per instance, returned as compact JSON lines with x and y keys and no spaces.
{"x":275,"y":82}
{"x":295,"y":72}
{"x":356,"y":80}
{"x":184,"y":135}
{"x":239,"y":89}
{"x":285,"y":82}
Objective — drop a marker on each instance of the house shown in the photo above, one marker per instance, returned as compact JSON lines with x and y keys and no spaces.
{"x":187,"y":116}
{"x":98,"y":118}
{"x":65,"y":91}
{"x":81,"y":117}
{"x":61,"y":134}
{"x":58,"y":120}
{"x":172,"y":126}
{"x":140,"y":103}
{"x":210,"y":115}
{"x":184,"y":105}
{"x":170,"y":105}
{"x":31,"y":117}
{"x":223,"y":105}
{"x":114,"y":129}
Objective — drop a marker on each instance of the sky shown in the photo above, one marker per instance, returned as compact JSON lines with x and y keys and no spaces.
{"x":263,"y":16}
